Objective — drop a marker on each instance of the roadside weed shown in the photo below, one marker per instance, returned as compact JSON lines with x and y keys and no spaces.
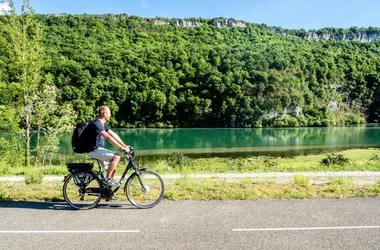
{"x":33,"y":177}
{"x":302,"y":180}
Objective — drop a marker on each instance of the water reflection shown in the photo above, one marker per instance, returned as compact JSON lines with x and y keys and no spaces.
{"x":164,"y":141}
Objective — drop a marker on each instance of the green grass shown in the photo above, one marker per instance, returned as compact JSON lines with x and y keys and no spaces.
{"x":204,"y":189}
{"x":209,"y":189}
{"x":358,"y":160}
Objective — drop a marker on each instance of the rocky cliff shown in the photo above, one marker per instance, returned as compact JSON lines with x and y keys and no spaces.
{"x":359,"y":36}
{"x":341,"y":34}
{"x":229,"y":23}
{"x":352,"y":34}
{"x":187,"y":23}
{"x":220,"y":22}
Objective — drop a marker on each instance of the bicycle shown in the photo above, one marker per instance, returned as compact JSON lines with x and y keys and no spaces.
{"x":83,"y":188}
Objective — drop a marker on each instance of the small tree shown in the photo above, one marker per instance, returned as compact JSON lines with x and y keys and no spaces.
{"x":32,"y":93}
{"x":26,"y":58}
{"x":11,"y":150}
{"x":51,"y":120}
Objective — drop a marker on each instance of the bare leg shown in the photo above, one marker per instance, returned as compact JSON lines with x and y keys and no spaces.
{"x":111,"y":171}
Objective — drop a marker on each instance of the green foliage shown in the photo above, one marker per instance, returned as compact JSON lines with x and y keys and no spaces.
{"x":178,"y":160}
{"x":33,"y":177}
{"x":341,"y":187}
{"x":333,"y":159}
{"x":25,"y":60}
{"x":153,"y":73}
{"x":11,"y":145}
{"x":269,"y":162}
{"x":29,"y":94}
{"x":375,"y":157}
{"x":302,"y":180}
{"x":4,"y":169}
{"x":235,"y":164}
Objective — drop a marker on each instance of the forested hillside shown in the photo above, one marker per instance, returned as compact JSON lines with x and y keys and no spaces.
{"x":197,"y":73}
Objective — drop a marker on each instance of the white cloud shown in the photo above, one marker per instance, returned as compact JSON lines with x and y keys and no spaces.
{"x":144,"y":4}
{"x":4,"y":8}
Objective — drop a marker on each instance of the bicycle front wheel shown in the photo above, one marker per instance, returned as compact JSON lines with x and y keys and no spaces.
{"x":82,"y":190}
{"x":144,"y":189}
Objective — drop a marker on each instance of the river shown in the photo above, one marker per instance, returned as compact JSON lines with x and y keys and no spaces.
{"x":241,"y":141}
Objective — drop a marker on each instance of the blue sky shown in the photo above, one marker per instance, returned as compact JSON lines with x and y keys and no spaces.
{"x":290,"y":14}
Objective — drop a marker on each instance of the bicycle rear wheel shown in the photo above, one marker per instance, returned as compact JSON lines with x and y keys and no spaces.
{"x":144,"y":190}
{"x":82,"y":190}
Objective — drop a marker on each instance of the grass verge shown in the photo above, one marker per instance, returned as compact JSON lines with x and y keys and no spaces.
{"x":205,"y":189}
{"x":353,"y":160}
{"x":210,"y":189}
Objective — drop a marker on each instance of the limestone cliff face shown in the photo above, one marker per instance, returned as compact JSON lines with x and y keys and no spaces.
{"x":228,"y":23}
{"x":187,"y":23}
{"x":159,"y":22}
{"x":216,"y":22}
{"x":352,"y":34}
{"x":359,"y":36}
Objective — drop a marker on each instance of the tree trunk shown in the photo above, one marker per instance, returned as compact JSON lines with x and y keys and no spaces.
{"x":27,"y":142}
{"x":27,"y":129}
{"x":37,"y":149}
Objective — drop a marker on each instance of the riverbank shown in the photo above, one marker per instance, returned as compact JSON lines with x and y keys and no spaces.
{"x":348,"y":173}
{"x":345,"y":160}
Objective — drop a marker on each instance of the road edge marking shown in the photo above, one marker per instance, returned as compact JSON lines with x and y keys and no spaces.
{"x":65,"y":231}
{"x":303,"y":228}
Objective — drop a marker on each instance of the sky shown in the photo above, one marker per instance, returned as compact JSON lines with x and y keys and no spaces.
{"x":288,"y":14}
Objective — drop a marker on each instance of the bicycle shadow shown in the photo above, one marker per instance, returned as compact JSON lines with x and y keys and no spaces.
{"x":60,"y":205}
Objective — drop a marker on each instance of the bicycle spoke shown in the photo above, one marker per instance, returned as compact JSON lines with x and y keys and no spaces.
{"x":82,"y":191}
{"x":145,"y":190}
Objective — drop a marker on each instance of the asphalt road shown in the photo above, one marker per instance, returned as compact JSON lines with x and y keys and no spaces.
{"x":256,"y":224}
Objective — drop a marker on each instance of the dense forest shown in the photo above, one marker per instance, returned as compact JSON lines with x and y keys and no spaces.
{"x":156,"y":73}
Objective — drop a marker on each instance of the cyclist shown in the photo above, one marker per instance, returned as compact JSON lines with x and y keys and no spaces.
{"x":98,"y":130}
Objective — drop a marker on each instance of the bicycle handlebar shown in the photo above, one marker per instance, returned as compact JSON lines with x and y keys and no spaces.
{"x":130,"y":153}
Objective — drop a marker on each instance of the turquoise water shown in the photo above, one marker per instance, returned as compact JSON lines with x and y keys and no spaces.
{"x":242,"y":141}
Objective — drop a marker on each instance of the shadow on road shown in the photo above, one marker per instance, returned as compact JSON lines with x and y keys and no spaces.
{"x":59,"y":205}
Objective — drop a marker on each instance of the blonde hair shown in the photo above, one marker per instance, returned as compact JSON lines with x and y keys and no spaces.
{"x":102,"y":110}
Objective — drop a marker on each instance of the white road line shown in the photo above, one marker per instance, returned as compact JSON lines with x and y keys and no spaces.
{"x":303,"y":228}
{"x":67,"y":231}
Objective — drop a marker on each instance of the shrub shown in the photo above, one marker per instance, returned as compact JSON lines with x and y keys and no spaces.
{"x":269,"y":163}
{"x":375,"y":157}
{"x":235,"y":164}
{"x":333,"y":159}
{"x":354,"y":119}
{"x":178,"y":160}
{"x":4,"y":170}
{"x":33,"y":177}
{"x":302,"y":180}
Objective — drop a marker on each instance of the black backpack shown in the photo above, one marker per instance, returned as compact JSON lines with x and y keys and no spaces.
{"x":80,"y":141}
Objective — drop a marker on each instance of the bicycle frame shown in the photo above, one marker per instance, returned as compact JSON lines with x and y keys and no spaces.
{"x":131,"y":165}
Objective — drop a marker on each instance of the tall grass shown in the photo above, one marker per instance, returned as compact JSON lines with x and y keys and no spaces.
{"x":348,"y":160}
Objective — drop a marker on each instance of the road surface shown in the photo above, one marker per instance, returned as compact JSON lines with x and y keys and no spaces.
{"x":254,"y":224}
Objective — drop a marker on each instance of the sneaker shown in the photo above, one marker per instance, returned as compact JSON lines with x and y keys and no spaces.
{"x":113,"y":198}
{"x":111,"y":183}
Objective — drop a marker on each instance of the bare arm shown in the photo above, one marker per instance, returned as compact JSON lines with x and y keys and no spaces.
{"x":115,"y":140}
{"x":116,"y":137}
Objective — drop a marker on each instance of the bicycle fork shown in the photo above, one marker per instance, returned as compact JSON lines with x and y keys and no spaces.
{"x":144,"y":188}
